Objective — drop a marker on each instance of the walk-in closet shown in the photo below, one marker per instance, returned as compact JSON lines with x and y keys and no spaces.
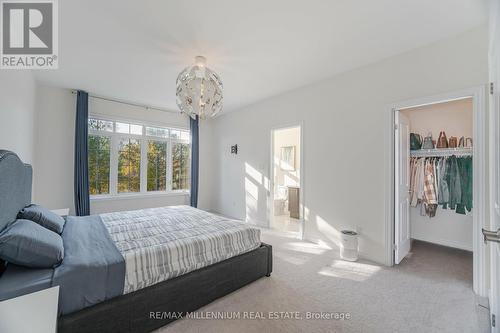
{"x":434,"y":187}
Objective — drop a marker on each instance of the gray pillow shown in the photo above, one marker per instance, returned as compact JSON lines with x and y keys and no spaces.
{"x":43,"y":217}
{"x":28,"y":244}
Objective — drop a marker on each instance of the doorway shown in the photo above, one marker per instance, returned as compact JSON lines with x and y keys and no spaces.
{"x":286,"y":181}
{"x":429,"y":220}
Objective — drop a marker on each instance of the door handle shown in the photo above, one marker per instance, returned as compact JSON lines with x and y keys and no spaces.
{"x":491,"y":236}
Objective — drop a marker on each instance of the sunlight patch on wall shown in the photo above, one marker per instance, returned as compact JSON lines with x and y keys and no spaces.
{"x":328,"y":231}
{"x":251,"y":200}
{"x":267,"y":184}
{"x":256,"y":193}
{"x":252,"y":172}
{"x":289,"y":181}
{"x":251,"y":189}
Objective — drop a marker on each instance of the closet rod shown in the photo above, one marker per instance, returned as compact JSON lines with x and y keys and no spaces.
{"x":441,"y":152}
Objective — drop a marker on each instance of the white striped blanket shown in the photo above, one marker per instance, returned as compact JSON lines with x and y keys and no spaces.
{"x":161,"y":243}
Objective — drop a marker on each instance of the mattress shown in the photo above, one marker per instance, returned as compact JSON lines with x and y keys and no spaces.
{"x":158,"y":244}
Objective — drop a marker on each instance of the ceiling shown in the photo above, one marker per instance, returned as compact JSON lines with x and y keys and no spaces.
{"x":133,"y":50}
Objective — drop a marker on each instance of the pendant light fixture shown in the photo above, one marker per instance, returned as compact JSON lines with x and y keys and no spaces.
{"x":199,"y":90}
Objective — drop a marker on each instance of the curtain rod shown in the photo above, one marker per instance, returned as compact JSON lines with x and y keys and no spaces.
{"x":109,"y":99}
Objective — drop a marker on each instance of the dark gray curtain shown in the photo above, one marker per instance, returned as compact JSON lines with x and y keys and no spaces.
{"x":195,"y":145}
{"x":82,"y":199}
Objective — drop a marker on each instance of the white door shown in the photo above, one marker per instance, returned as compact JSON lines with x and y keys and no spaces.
{"x":402,"y":239}
{"x":494,"y":63}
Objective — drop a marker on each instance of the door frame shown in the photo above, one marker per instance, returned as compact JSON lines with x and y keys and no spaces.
{"x":494,"y":159}
{"x":270,"y":201}
{"x":478,"y":95}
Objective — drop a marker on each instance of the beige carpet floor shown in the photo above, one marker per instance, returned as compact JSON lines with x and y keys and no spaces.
{"x":431,"y":291}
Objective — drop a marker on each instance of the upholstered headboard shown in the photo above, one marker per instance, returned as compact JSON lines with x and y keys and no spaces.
{"x":15,"y":186}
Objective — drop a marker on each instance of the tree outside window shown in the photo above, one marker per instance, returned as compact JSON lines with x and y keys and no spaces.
{"x":117,"y":166}
{"x":157,"y":165}
{"x":99,"y":157}
{"x":180,"y":166}
{"x":129,"y":166}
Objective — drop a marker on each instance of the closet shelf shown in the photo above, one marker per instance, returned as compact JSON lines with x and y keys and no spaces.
{"x":441,"y":152}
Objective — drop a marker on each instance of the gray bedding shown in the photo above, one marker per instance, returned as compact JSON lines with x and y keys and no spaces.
{"x":92,"y":270}
{"x":161,"y":243}
{"x":17,"y":281}
{"x":109,"y":255}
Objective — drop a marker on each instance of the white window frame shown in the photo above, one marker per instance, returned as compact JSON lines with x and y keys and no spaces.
{"x":143,"y":139}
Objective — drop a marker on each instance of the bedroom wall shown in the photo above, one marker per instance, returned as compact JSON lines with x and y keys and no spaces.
{"x":454,"y":117}
{"x":53,"y":175}
{"x":54,"y":151}
{"x":447,"y":228}
{"x":17,"y":112}
{"x":344,"y":123}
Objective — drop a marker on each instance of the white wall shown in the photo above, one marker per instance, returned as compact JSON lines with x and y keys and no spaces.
{"x":344,"y":122}
{"x":447,"y":227}
{"x":17,"y":112}
{"x":453,"y":117}
{"x":54,"y":148}
{"x":53,"y":172}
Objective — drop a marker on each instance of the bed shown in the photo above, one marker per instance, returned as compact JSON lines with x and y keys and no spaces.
{"x":121,"y":269}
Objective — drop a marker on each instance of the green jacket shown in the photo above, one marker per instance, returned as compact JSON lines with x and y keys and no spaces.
{"x":454,"y":182}
{"x":465,"y":172}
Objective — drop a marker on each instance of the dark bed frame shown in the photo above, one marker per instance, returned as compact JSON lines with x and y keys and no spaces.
{"x":149,"y":308}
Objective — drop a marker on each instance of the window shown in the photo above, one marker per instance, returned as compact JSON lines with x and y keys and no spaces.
{"x":129,"y":166}
{"x":100,"y":125}
{"x":180,"y":166}
{"x":128,"y":128}
{"x":157,"y":131}
{"x":136,"y":158}
{"x":157,"y":165}
{"x":99,"y":153}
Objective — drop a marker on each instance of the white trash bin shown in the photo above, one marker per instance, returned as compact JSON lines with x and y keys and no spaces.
{"x":349,"y":245}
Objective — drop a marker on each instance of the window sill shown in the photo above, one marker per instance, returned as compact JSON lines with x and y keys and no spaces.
{"x":128,"y":196}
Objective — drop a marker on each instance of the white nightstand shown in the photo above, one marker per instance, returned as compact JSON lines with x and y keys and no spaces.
{"x":62,"y":212}
{"x":35,"y":312}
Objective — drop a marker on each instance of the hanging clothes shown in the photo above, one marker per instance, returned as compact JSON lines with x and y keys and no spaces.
{"x":413,"y":182}
{"x":435,"y":173}
{"x":417,"y":185}
{"x":468,"y":184}
{"x":430,"y":198}
{"x":443,"y":192}
{"x":465,"y":167}
{"x":454,"y":184}
{"x":445,"y":181}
